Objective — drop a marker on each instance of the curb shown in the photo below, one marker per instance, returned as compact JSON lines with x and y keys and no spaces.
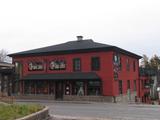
{"x":40,"y":115}
{"x":59,"y":117}
{"x":52,"y":101}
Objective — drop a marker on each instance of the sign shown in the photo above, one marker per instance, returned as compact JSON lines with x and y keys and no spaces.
{"x":116,"y":65}
{"x":34,"y":66}
{"x":58,"y":65}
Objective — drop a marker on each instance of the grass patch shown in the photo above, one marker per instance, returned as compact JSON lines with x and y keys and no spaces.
{"x":14,"y":111}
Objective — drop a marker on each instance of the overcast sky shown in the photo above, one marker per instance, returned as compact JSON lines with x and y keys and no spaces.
{"x":133,"y":25}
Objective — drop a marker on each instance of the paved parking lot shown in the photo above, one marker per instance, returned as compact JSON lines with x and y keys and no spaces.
{"x":104,"y":110}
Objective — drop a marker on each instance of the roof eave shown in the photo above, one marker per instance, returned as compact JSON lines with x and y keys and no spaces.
{"x":111,"y":48}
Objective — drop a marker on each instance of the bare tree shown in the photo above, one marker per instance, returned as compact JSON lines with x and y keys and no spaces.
{"x":145,"y":62}
{"x":152,"y":63}
{"x":4,"y":57}
{"x":155,"y":62}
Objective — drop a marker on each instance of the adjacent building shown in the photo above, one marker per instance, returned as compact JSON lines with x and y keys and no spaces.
{"x":77,"y":70}
{"x":148,"y":84}
{"x":6,"y":78}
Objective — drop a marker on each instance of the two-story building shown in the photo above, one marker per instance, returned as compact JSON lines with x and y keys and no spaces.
{"x":77,"y":70}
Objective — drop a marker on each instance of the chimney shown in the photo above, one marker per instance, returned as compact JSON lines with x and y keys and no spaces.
{"x":79,"y":38}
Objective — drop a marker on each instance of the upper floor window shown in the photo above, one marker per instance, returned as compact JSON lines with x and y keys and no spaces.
{"x":127,"y":65}
{"x":76,"y":64}
{"x":134,"y":66}
{"x":95,"y":63}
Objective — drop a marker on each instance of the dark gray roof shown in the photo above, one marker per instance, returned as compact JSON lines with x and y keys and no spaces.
{"x":73,"y":47}
{"x":63,"y":76}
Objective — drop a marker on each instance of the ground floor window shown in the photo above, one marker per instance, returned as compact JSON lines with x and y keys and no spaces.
{"x":38,"y":87}
{"x":42,"y":87}
{"x":47,"y":87}
{"x":94,"y":88}
{"x":78,"y":88}
{"x":120,"y":87}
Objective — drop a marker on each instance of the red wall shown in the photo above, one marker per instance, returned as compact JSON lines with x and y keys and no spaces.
{"x":110,"y":86}
{"x":125,"y":75}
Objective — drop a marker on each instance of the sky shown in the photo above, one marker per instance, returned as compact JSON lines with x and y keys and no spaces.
{"x":133,"y":25}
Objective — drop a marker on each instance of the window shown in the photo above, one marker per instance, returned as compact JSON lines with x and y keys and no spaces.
{"x":95,"y":63}
{"x":120,"y":87}
{"x":135,"y":86}
{"x":76,"y":64}
{"x":127,"y":65}
{"x":94,"y":88}
{"x":128,"y":84}
{"x":78,"y":88}
{"x":134,"y":66}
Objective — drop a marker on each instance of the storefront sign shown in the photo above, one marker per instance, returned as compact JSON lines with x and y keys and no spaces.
{"x":34,"y":66}
{"x":57,"y":65}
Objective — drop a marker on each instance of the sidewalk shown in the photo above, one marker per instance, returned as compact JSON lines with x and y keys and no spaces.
{"x":53,"y":101}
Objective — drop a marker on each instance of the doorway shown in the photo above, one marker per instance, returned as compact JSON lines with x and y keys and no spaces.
{"x":59,"y":90}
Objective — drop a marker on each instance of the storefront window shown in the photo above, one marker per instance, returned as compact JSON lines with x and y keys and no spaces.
{"x":94,"y":88}
{"x":51,"y":88}
{"x":42,"y":87}
{"x":78,"y":88}
{"x":29,"y":87}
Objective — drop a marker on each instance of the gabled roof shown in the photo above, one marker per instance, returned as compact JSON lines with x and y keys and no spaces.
{"x":73,"y":47}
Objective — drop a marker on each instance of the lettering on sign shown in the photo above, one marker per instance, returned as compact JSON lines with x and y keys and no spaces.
{"x":33,"y":66}
{"x":58,"y":65}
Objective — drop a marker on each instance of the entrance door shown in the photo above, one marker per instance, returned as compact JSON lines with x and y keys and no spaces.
{"x":59,"y":90}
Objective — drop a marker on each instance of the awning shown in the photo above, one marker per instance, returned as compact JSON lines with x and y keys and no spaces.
{"x":63,"y":76}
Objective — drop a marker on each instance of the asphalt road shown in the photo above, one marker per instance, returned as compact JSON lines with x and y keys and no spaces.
{"x":104,"y":110}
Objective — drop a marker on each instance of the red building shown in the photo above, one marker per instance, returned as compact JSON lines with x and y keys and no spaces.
{"x":78,"y":70}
